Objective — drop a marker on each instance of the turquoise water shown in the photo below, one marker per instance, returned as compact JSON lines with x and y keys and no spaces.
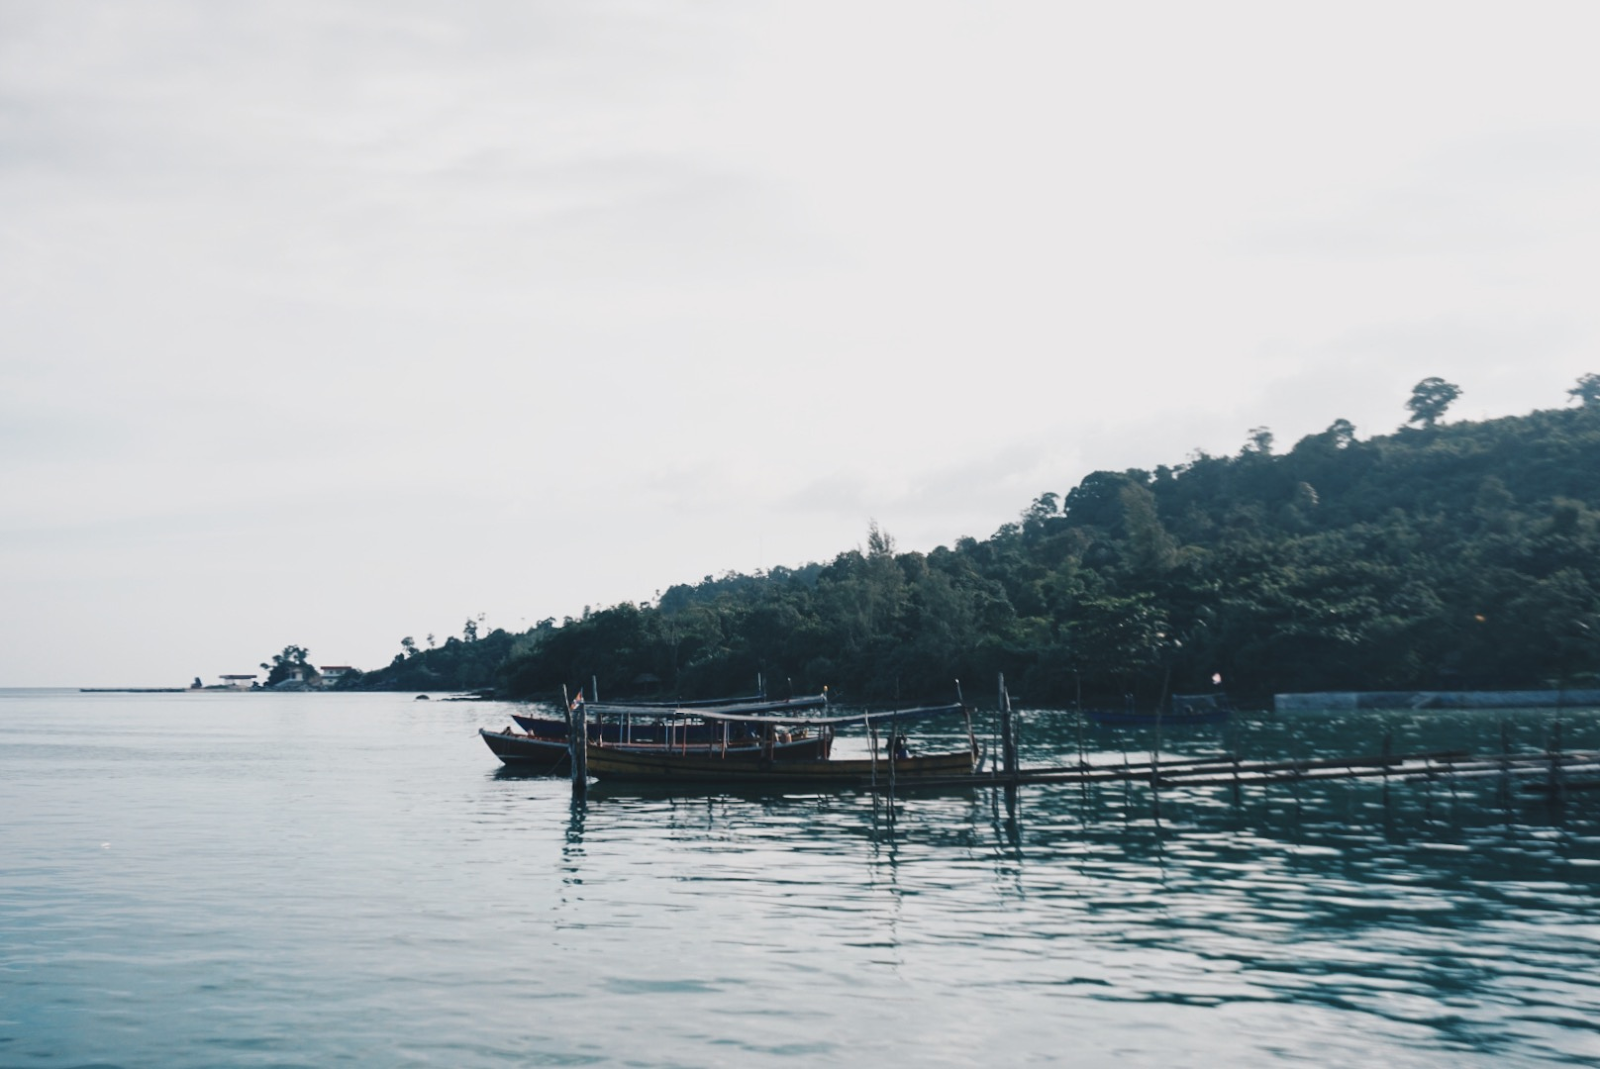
{"x":312,"y":880}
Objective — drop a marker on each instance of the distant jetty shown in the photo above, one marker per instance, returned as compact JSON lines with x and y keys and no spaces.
{"x":132,"y":690}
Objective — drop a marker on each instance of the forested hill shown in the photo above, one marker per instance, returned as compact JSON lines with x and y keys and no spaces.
{"x":1462,"y":555}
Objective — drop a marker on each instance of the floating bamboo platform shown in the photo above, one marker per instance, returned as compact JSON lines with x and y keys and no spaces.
{"x":1555,"y":769}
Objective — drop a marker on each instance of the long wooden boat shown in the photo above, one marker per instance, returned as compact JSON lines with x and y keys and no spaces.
{"x":533,"y":752}
{"x":776,"y":764}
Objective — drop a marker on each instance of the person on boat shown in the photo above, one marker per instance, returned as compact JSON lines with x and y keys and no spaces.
{"x":900,"y":749}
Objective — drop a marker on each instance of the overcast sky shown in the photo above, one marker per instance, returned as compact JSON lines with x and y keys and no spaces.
{"x":329,"y":322}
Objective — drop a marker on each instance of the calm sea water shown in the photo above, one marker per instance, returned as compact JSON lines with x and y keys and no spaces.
{"x":314,"y":880}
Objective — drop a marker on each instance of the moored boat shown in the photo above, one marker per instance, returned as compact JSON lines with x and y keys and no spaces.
{"x":530,"y":753}
{"x":553,"y":756}
{"x":770,"y":761}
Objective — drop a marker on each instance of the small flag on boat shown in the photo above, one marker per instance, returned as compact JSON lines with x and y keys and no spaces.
{"x":576,"y":701}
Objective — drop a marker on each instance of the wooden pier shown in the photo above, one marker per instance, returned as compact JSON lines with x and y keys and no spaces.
{"x":1551,"y":772}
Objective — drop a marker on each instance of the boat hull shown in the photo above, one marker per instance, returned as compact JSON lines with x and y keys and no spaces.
{"x":608,"y":763}
{"x":528,"y":752}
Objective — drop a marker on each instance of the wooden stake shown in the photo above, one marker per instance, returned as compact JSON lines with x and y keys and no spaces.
{"x":1008,"y":737}
{"x":872,"y":735}
{"x":577,"y":743}
{"x":1554,"y":752}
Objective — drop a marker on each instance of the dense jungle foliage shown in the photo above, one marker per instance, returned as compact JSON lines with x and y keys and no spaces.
{"x":1461,"y":556}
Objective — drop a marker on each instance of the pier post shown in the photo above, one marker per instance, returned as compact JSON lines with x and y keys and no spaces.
{"x":872,"y":741}
{"x":894,"y":759}
{"x":1553,"y":751}
{"x":1505,"y":762}
{"x":1388,"y":744}
{"x":1077,"y":710}
{"x":582,"y":713}
{"x":1008,"y":737}
{"x":1155,"y":754}
{"x":577,"y":743}
{"x":966,"y":711}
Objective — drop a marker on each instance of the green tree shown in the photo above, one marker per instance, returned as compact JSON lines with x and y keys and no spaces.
{"x":880,"y":543}
{"x":1151,"y":549}
{"x":292,"y":663}
{"x":1043,"y":507}
{"x":1259,"y":442}
{"x":1429,"y":400}
{"x":1587,"y":390}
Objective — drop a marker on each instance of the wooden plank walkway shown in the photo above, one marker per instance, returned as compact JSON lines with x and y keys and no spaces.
{"x":1556,"y":768}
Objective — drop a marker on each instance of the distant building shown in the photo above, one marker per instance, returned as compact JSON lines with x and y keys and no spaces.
{"x":332,"y":673}
{"x":238,"y":682}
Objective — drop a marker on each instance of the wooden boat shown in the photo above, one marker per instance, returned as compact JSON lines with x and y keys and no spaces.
{"x":552,"y":755}
{"x":773,"y":762}
{"x":647,"y":722}
{"x":1187,"y":709}
{"x":529,"y":752}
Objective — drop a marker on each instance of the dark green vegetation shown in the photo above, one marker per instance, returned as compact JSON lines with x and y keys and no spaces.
{"x":1461,"y":555}
{"x":472,"y":662}
{"x":290,"y":664}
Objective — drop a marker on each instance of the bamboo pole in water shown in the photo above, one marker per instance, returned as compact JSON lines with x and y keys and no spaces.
{"x":1077,"y":712}
{"x":972,"y":737}
{"x":1155,"y":754}
{"x":1008,"y":738}
{"x":894,"y":760}
{"x":872,"y":739}
{"x":577,"y":743}
{"x":1554,"y":753}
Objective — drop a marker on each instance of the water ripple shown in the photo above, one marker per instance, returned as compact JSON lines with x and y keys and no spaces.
{"x":304,"y":880}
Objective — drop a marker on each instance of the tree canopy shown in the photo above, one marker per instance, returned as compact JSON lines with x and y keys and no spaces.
{"x":292,"y":663}
{"x":1468,"y":557}
{"x":1429,"y":400}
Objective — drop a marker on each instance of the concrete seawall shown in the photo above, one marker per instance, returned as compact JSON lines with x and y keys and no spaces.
{"x":1353,"y":700}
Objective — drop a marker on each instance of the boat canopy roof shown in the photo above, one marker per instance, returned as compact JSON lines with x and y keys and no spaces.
{"x":695,"y":703}
{"x":739,"y":710}
{"x":751,"y":715}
